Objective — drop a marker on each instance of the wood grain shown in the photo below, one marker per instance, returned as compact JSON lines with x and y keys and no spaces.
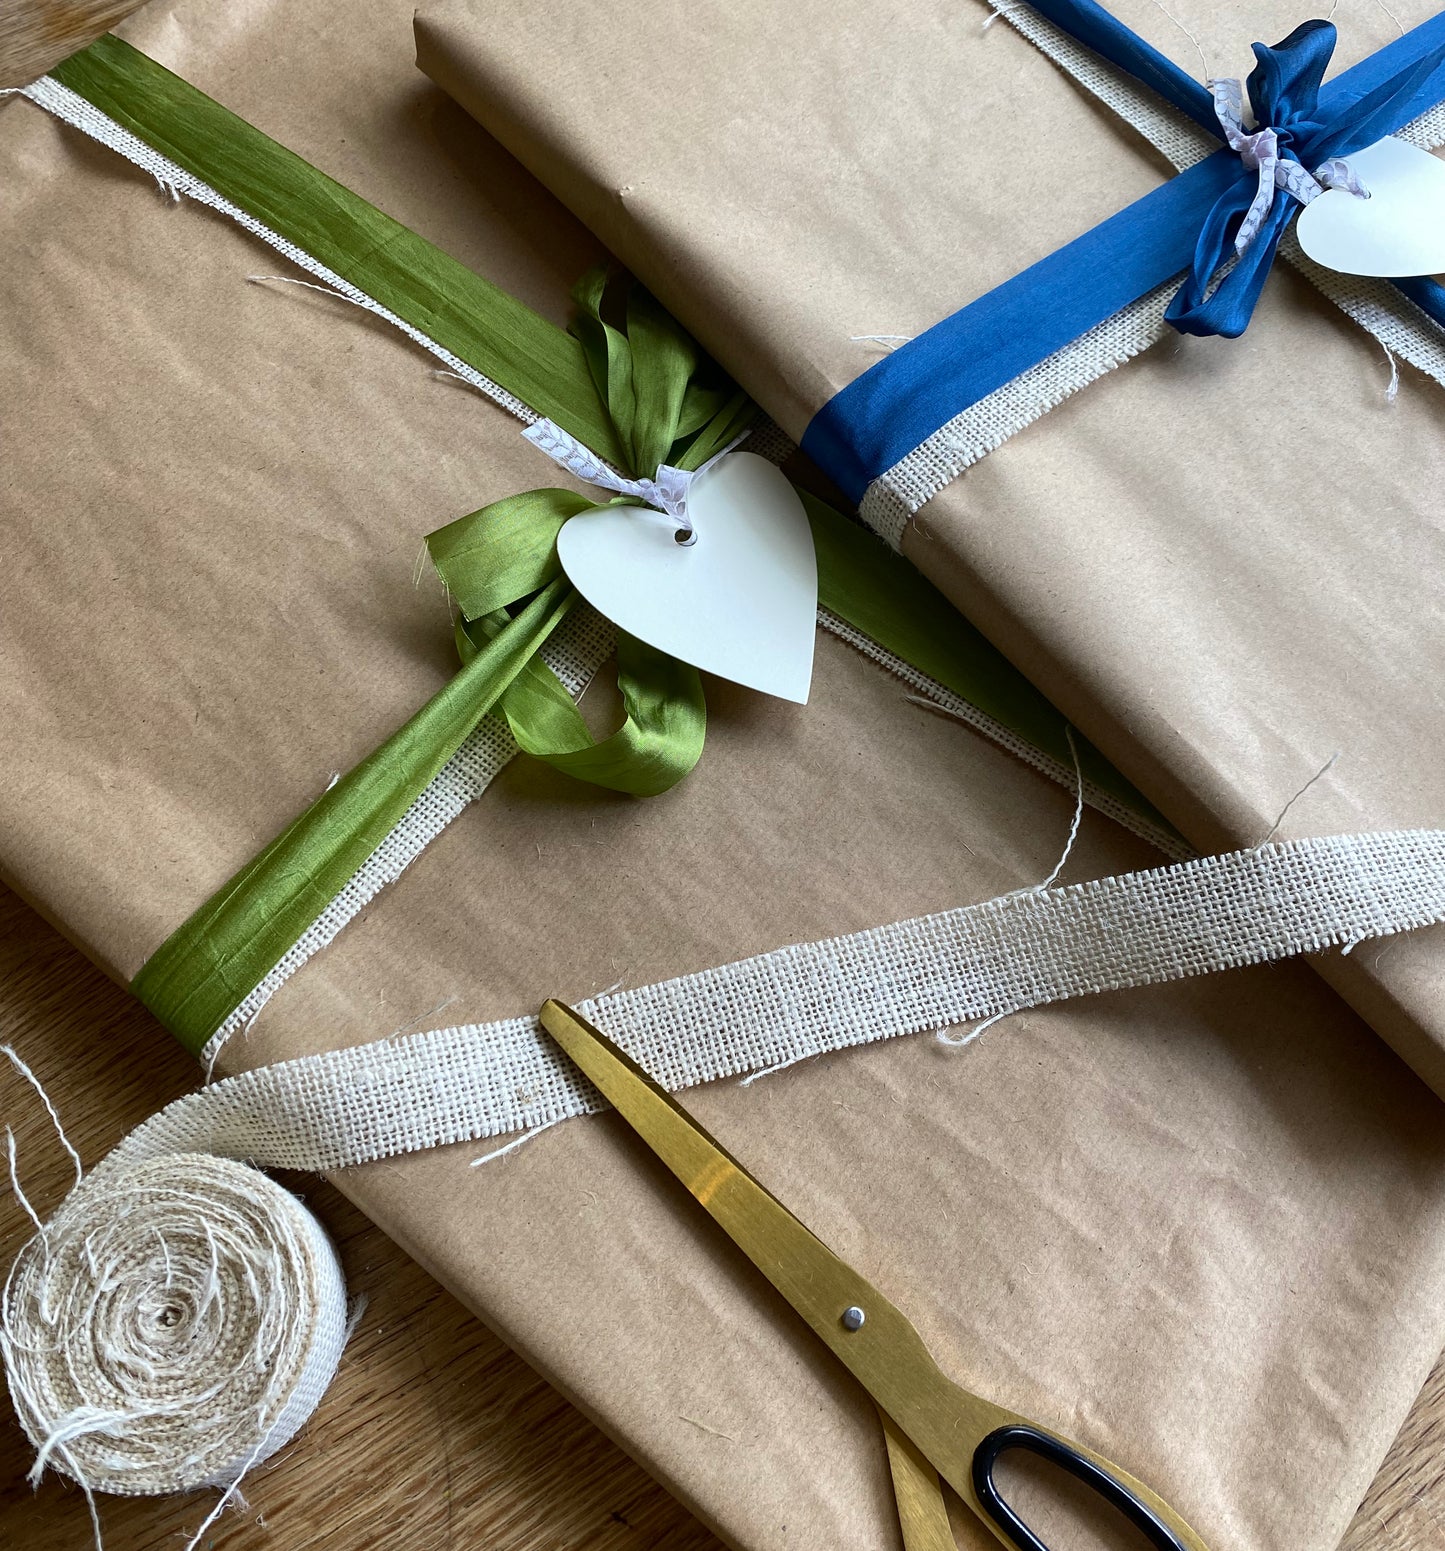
{"x":434,"y":1436}
{"x":36,"y":34}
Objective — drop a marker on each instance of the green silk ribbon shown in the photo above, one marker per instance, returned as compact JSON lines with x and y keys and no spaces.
{"x":210,"y":963}
{"x":635,"y":391}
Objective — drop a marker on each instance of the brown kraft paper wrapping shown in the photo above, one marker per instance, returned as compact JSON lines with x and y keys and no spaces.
{"x":1221,"y":560}
{"x":1200,"y":1227}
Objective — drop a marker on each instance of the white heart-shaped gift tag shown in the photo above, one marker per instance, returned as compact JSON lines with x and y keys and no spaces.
{"x":1399,"y":230}
{"x":740,"y":602}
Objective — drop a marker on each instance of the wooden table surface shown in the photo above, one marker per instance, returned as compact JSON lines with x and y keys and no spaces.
{"x":434,"y":1437}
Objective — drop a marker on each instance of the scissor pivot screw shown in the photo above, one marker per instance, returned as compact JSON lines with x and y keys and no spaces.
{"x":853,"y":1317}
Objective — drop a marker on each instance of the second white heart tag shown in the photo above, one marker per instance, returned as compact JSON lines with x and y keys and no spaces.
{"x":741,"y":601}
{"x":1398,"y":231}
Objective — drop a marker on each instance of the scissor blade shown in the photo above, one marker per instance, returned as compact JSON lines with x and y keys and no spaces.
{"x":883,"y":1352}
{"x":716,"y":1179}
{"x":922,"y":1512}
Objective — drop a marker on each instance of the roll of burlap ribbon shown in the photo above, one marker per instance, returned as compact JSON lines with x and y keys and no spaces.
{"x":174,"y":1323}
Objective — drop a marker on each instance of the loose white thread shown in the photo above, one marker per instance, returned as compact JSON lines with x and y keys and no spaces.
{"x":447,"y":376}
{"x":18,"y":1193}
{"x":958,"y":1041}
{"x":44,"y":1097}
{"x":1392,"y":388}
{"x":944,"y":702}
{"x":1078,"y":816}
{"x":326,"y":290}
{"x":1198,"y":46}
{"x":1073,"y":835}
{"x":1399,"y":26}
{"x":213,"y":1050}
{"x":516,"y":1142}
{"x":1324,"y":770}
{"x":889,"y":342}
{"x":233,"y":1491}
{"x":780,"y":1066}
{"x":423,"y":1017}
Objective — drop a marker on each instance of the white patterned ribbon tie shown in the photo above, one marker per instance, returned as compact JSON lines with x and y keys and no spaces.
{"x":1259,"y":151}
{"x":665,"y":492}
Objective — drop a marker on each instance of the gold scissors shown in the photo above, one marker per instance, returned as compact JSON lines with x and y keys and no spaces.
{"x":933,"y":1427}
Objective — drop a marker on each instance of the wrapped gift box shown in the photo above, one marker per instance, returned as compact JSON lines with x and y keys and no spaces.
{"x":1218,"y":560}
{"x":1203,"y":1225}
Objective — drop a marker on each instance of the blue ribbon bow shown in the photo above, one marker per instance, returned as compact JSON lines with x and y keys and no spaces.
{"x":1284,"y":88}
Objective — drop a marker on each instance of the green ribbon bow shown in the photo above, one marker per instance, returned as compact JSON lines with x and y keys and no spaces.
{"x":668,"y":405}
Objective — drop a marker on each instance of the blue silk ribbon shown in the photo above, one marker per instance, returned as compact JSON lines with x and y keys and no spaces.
{"x":1186,"y":225}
